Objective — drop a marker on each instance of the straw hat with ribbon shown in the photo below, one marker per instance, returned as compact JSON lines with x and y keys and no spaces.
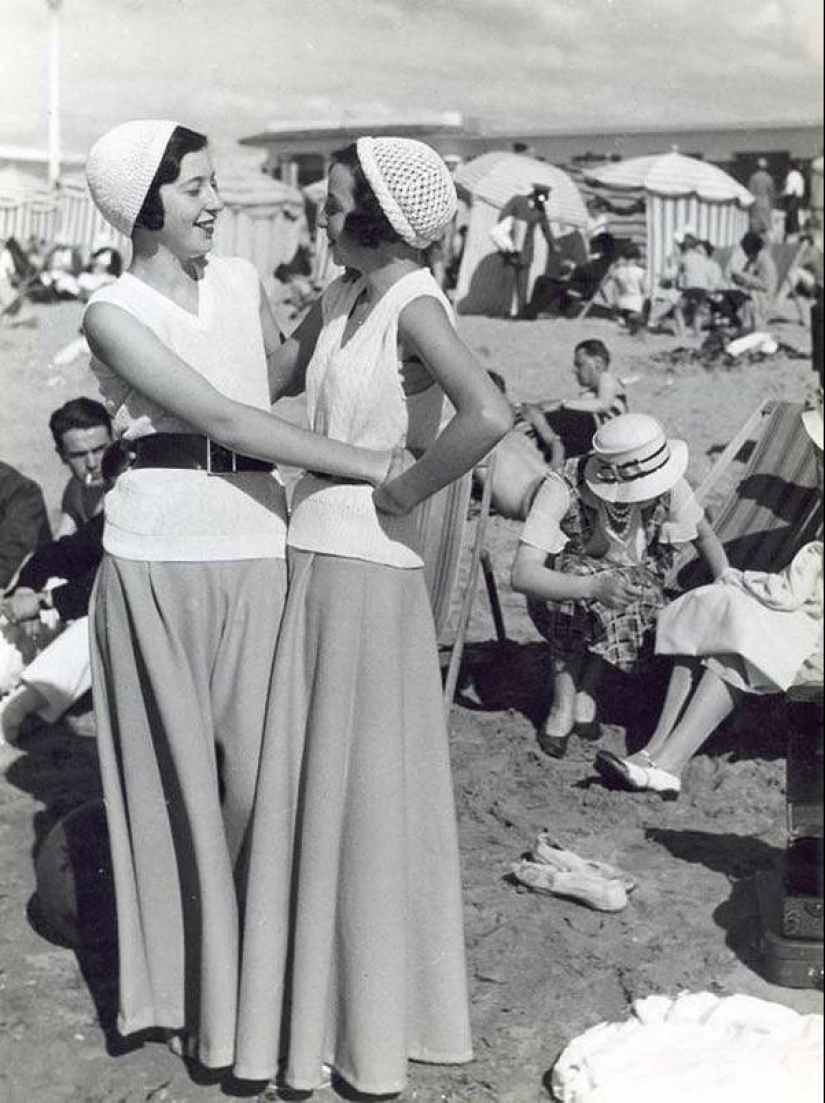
{"x":633,"y":461}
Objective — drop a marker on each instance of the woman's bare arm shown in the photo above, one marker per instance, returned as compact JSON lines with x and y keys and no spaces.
{"x":482,"y":416}
{"x":138,"y":357}
{"x":710,"y":548}
{"x":287,"y":357}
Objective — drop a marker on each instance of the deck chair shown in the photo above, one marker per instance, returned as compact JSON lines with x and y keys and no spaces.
{"x":775,"y":506}
{"x":452,"y":583}
{"x":786,"y":256}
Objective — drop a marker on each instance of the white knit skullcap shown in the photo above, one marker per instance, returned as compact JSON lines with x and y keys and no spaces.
{"x":413,"y":187}
{"x":121,"y":166}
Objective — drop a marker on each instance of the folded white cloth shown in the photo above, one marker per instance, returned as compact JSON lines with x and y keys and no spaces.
{"x":763,"y":626}
{"x":696,"y":1046}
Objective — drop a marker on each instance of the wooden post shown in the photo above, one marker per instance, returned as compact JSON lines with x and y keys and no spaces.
{"x":54,"y":92}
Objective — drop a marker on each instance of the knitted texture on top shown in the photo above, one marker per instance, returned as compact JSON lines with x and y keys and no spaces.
{"x":121,"y":166}
{"x":413,"y":187}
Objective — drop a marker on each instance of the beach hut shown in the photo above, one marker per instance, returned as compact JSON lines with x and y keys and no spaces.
{"x":488,"y":184}
{"x":263,"y":220}
{"x":680,"y":191}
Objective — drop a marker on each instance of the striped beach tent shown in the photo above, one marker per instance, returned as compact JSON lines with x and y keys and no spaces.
{"x":680,"y":191}
{"x":263,"y":219}
{"x":482,"y":286}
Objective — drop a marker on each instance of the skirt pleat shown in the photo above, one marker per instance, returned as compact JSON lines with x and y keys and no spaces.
{"x":182,"y":659}
{"x":353,"y":946}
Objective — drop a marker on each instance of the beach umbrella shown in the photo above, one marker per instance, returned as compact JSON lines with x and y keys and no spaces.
{"x":680,"y":191}
{"x":509,"y":174}
{"x":673,"y":175}
{"x":468,"y":174}
{"x":489,"y":183}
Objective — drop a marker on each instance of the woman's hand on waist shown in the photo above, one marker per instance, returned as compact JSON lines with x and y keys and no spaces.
{"x":388,"y":495}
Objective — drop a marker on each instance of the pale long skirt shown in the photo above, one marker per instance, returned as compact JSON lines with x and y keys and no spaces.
{"x":353,"y":949}
{"x":182,"y":661}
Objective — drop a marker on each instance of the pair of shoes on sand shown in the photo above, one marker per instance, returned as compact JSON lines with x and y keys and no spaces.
{"x":649,"y":778}
{"x":555,"y":734}
{"x":555,"y":871}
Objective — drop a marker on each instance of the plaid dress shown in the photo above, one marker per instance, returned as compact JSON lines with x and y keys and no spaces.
{"x":622,"y":637}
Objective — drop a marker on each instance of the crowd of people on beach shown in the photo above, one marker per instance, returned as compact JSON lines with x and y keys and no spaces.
{"x":262,"y":659}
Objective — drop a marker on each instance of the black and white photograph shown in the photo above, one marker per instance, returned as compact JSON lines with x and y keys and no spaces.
{"x":411,"y":551}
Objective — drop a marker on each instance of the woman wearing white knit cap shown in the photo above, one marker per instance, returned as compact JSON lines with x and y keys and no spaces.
{"x":190,"y":594}
{"x":353,"y":945}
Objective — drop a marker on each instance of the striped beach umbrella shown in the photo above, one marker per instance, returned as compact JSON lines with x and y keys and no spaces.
{"x":679,"y":192}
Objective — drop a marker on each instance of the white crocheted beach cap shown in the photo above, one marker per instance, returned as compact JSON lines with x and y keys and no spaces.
{"x":121,"y":166}
{"x":413,"y":187}
{"x":633,"y":461}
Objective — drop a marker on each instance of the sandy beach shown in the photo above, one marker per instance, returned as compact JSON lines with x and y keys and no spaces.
{"x":541,"y":969}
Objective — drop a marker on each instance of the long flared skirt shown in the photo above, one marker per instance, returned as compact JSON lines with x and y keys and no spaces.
{"x":353,"y":949}
{"x":182,"y":662}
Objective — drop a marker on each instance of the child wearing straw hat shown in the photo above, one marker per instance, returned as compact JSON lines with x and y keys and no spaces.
{"x":593,"y":553}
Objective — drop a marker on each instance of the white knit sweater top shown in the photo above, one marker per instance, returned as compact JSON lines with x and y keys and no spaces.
{"x":358,"y":393}
{"x":163,"y":514}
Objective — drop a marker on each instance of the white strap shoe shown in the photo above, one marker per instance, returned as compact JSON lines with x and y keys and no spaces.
{"x":649,"y":778}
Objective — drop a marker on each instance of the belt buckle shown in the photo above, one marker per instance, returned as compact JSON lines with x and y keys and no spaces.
{"x":221,"y":453}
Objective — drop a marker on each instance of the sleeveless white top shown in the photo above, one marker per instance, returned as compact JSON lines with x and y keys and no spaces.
{"x":160,"y":514}
{"x":355,"y":393}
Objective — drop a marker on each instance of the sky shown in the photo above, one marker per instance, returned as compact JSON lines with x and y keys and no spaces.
{"x":233,"y":67}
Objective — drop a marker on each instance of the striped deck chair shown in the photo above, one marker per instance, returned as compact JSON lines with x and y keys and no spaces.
{"x":775,"y":506}
{"x":451,"y":569}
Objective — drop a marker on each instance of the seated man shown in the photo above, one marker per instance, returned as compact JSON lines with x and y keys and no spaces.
{"x":57,"y":581}
{"x":82,"y":432}
{"x":751,"y":279}
{"x":565,"y":428}
{"x":24,"y":523}
{"x":567,"y":287}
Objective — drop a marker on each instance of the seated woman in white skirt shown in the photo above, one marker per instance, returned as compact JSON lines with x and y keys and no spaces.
{"x":748,"y":632}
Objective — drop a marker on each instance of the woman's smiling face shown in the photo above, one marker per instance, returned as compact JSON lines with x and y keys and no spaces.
{"x":339,"y":202}
{"x":191,"y":205}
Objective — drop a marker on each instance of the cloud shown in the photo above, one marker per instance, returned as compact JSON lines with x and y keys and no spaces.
{"x":235,"y":67}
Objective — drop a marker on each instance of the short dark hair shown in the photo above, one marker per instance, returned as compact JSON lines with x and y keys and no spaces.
{"x":79,"y":413}
{"x":498,"y":379}
{"x":367,"y":222}
{"x":632,"y":252}
{"x":182,"y":141}
{"x":592,"y":346}
{"x":752,"y":242}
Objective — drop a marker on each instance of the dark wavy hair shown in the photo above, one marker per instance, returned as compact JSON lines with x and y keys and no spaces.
{"x":367,"y":223}
{"x":181,"y":142}
{"x":79,"y":413}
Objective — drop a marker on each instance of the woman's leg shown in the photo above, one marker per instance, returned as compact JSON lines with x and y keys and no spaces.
{"x":584,"y":711}
{"x":712,"y":702}
{"x":682,"y":679}
{"x":556,"y":729}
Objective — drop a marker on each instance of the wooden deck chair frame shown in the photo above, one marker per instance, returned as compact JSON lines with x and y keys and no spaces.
{"x":776,"y":426}
{"x":443,"y":527}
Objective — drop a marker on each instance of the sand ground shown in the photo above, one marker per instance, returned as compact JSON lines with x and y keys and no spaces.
{"x":541,"y":970}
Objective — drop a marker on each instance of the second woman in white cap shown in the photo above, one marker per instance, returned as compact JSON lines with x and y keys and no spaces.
{"x":353,"y":946}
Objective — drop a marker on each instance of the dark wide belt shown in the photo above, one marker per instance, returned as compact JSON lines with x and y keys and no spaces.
{"x":188,"y":451}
